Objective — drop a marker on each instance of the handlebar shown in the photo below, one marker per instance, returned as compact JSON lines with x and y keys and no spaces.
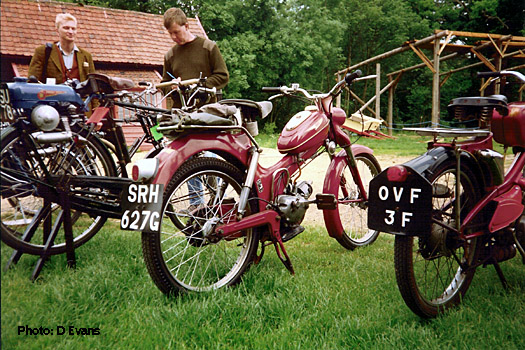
{"x":518,"y":75}
{"x":348,"y":79}
{"x":178,"y":83}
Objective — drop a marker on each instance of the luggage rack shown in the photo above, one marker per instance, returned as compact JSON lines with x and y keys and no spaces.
{"x":444,"y":132}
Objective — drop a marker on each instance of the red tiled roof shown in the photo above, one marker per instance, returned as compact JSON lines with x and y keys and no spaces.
{"x":114,"y":36}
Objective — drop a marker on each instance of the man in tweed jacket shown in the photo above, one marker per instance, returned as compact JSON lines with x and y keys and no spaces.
{"x":66,"y":60}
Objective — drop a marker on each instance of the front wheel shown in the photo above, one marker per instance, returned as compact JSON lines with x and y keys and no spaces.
{"x":434,"y":271}
{"x":187,"y":254}
{"x":352,"y":205}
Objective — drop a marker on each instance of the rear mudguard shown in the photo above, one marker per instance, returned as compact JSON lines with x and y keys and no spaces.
{"x":431,"y":161}
{"x":233,"y":148}
{"x":332,"y":180}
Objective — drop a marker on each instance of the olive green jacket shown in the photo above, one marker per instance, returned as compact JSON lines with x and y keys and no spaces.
{"x":54,"y":68}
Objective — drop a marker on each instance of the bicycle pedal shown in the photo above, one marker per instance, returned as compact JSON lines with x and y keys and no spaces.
{"x":325,"y":201}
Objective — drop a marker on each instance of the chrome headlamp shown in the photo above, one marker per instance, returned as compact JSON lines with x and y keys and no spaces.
{"x":45,"y":118}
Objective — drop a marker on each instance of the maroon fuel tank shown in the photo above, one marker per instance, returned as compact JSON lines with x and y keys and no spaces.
{"x":306,"y":129}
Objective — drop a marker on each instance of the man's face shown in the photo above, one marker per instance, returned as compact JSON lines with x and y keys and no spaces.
{"x":180,"y":34}
{"x":67,"y":31}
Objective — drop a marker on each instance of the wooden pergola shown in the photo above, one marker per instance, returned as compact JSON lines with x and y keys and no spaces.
{"x":504,"y":46}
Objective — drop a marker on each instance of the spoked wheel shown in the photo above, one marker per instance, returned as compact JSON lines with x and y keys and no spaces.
{"x":27,"y":218}
{"x":187,"y":255}
{"x":428,"y":274}
{"x":352,"y":207}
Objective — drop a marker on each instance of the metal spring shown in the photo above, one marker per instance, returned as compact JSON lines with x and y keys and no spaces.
{"x":485,"y":114}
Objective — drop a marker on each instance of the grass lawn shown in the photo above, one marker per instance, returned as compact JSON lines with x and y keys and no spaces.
{"x":337,"y":299}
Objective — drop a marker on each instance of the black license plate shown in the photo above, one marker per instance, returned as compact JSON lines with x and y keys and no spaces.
{"x":141,"y":207}
{"x":400,"y":207}
{"x":6,"y":109}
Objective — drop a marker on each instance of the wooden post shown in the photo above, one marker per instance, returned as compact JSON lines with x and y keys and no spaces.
{"x":390,"y":115}
{"x":435,"y":85}
{"x":338,"y":99}
{"x":378,"y":90}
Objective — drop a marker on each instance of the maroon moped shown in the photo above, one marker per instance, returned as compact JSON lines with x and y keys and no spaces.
{"x":454,"y":208}
{"x":216,"y":211}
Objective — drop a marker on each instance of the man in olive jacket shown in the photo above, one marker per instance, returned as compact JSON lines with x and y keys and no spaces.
{"x":66,"y":60}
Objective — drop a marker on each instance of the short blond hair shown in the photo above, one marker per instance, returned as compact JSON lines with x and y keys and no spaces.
{"x":63,"y":17}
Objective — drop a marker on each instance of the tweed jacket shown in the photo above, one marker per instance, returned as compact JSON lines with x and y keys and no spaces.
{"x":54,"y":68}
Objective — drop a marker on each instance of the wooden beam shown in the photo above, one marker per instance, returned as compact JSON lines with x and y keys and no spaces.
{"x":354,"y":95}
{"x":484,"y":60}
{"x":447,"y":40}
{"x":482,"y":35}
{"x":423,"y":58}
{"x":395,"y":51}
{"x":435,"y":86}
{"x":374,"y":97}
{"x":378,"y":90}
{"x":496,"y":46}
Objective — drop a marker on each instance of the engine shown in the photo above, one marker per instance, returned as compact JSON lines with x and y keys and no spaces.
{"x":293,"y":204}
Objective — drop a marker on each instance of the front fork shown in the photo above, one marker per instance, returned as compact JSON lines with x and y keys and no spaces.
{"x":352,"y":166}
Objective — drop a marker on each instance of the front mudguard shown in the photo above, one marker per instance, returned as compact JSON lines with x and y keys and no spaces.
{"x":332,"y":180}
{"x":233,"y":148}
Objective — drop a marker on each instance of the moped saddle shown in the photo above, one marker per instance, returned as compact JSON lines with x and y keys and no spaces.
{"x":248,"y":107}
{"x":464,"y":108}
{"x":104,"y":83}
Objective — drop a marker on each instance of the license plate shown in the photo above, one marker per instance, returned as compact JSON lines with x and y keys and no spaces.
{"x":6,"y":109}
{"x":400,"y":207}
{"x":141,"y":207}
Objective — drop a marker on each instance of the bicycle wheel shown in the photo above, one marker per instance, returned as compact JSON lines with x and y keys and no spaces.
{"x":27,"y":219}
{"x":428,"y":275}
{"x":353,"y":210}
{"x":192,"y":258}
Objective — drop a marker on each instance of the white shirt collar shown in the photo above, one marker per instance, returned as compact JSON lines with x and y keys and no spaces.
{"x":75,"y":48}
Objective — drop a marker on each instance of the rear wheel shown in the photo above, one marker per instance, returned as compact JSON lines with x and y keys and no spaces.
{"x":428,"y":274}
{"x":352,"y":207}
{"x":27,"y":219}
{"x":187,"y":255}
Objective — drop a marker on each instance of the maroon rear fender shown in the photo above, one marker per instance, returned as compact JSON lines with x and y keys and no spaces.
{"x":181,"y":149}
{"x":331,"y":185}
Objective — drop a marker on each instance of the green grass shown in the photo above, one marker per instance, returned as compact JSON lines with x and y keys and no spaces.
{"x":337,"y":299}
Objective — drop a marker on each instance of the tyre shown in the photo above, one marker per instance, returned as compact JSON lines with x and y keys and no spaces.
{"x":353,"y":209}
{"x":186,"y":255}
{"x":26,"y":218}
{"x":428,"y":275}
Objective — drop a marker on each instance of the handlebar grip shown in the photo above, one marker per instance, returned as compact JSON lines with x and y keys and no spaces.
{"x":188,"y":82}
{"x":271,"y":89}
{"x":165,"y":84}
{"x":351,"y":76}
{"x":180,"y":83}
{"x":488,"y":74}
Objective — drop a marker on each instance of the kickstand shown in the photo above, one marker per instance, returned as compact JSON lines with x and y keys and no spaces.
{"x":49,"y":234}
{"x":500,"y":275}
{"x":258,"y":257}
{"x":286,"y":260}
